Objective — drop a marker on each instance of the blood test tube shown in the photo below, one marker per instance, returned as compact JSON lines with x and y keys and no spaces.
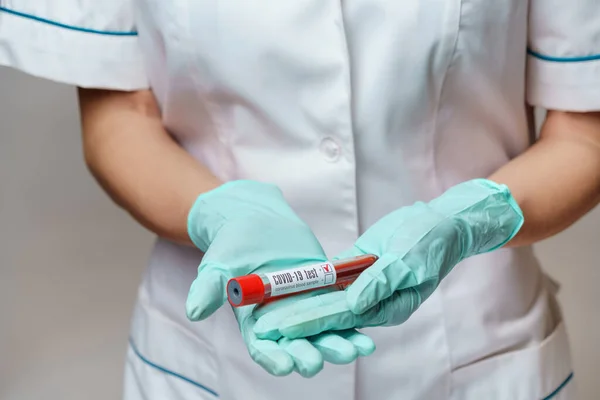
{"x":265,"y":287}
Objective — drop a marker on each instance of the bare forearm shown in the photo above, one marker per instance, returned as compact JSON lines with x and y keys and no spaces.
{"x":557,"y":180}
{"x":138,"y":164}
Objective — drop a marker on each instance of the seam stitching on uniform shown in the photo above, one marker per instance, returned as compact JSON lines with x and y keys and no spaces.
{"x":167,"y":371}
{"x":65,"y":26}
{"x":348,"y":80}
{"x":227,"y":162}
{"x":560,"y":387}
{"x":440,"y":186}
{"x":148,"y":308}
{"x":576,"y":59}
{"x":346,"y":51}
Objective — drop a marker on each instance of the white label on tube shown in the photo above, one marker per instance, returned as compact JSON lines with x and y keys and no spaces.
{"x":302,"y":278}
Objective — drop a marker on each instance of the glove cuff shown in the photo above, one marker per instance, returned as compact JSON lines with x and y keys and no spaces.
{"x":487,"y":209}
{"x":513,"y":217}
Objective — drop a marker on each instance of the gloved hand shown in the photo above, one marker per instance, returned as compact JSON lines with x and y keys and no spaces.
{"x":245,"y":227}
{"x":417,"y":247}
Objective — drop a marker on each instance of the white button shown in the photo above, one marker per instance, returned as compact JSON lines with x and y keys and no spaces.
{"x":331,"y":149}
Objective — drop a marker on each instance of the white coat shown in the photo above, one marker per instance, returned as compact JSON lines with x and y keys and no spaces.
{"x":354,"y":108}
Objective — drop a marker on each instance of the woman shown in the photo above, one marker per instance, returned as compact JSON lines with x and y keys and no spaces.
{"x":326,"y":117}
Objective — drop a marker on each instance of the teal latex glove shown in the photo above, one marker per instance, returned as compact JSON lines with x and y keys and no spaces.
{"x":245,"y":227}
{"x":417,"y":247}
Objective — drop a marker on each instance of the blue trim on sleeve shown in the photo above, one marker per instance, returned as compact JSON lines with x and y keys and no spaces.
{"x":65,"y":26}
{"x":169,"y":372}
{"x":593,"y":57}
{"x":559,"y":388}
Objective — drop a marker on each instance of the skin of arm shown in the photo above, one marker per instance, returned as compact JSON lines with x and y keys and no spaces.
{"x":138,"y":163}
{"x":557,"y":180}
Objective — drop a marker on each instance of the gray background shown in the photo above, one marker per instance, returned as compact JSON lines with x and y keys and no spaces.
{"x":70,"y":260}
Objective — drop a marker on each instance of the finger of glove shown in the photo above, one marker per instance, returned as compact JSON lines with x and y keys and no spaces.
{"x":331,"y":314}
{"x":271,"y":357}
{"x":363,"y":343}
{"x":270,"y":315}
{"x":287,"y":301}
{"x":335,"y":348}
{"x":378,"y":282}
{"x":268,"y":325}
{"x":308,"y":361}
{"x":394,"y":310}
{"x":397,"y":308}
{"x":207,"y":293}
{"x":266,"y":353}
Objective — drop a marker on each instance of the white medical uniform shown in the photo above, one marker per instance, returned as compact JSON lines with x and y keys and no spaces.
{"x":354,"y":108}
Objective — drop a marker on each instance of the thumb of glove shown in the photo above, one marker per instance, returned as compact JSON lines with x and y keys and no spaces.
{"x":207,"y":293}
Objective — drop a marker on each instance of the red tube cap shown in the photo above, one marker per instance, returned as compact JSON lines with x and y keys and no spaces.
{"x":245,"y":290}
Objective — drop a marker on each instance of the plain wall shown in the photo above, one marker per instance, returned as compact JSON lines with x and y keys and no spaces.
{"x":70,"y":261}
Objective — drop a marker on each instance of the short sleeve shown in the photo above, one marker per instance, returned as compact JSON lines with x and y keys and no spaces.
{"x":87,"y":43}
{"x":563,"y":68}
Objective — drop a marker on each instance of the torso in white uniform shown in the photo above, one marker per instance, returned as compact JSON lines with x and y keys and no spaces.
{"x":356,"y":108}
